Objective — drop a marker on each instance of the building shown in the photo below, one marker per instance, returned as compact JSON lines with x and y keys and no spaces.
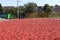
{"x":57,"y":9}
{"x":39,"y":8}
{"x":7,"y":8}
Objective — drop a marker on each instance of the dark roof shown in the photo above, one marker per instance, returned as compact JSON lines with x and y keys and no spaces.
{"x":8,"y":6}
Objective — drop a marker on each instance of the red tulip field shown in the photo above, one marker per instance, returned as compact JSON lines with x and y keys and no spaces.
{"x":30,"y":29}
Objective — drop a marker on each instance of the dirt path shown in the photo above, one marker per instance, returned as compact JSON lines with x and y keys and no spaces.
{"x":30,"y":29}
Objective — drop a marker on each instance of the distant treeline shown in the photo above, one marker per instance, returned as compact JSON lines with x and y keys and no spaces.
{"x":29,"y":10}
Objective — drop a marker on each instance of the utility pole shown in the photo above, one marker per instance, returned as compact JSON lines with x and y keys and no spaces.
{"x":17,"y":10}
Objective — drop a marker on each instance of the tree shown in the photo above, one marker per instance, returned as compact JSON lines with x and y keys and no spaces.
{"x":1,"y":8}
{"x":21,"y":9}
{"x":13,"y":11}
{"x":47,"y":10}
{"x":30,"y":7}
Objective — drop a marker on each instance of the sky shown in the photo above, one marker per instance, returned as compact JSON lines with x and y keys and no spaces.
{"x":22,"y":2}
